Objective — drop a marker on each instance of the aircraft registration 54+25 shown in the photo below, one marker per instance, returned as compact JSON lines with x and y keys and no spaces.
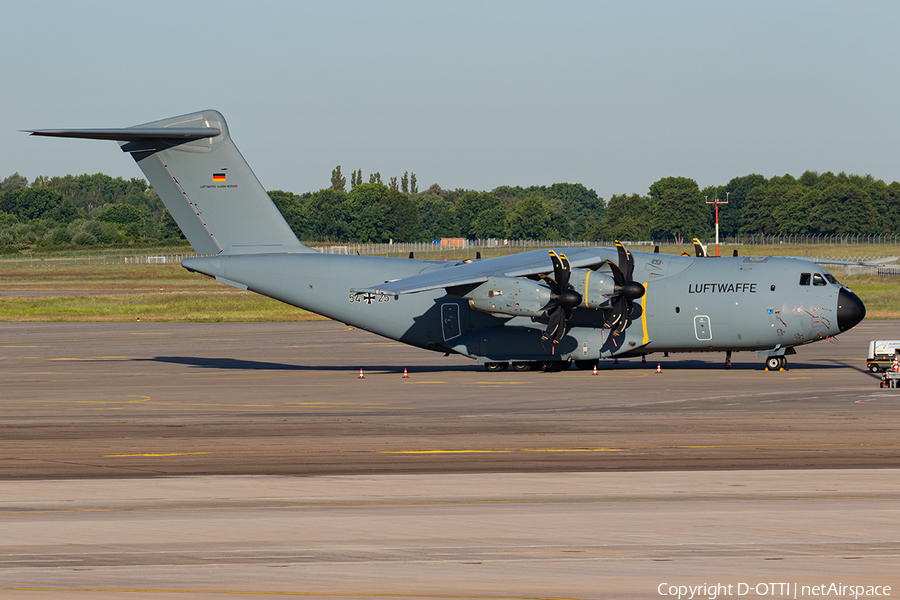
{"x":532,"y":310}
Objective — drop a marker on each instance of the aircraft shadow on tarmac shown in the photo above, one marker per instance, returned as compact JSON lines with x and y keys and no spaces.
{"x":201,"y":362}
{"x":256,"y":365}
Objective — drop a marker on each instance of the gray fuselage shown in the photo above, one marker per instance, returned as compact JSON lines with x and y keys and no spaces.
{"x":691,"y":304}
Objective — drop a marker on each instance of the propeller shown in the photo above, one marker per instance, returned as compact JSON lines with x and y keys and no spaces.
{"x":562,"y":298}
{"x":699,"y":249}
{"x":626,"y":290}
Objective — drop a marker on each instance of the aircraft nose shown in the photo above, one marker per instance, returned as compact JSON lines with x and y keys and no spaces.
{"x":850,"y":310}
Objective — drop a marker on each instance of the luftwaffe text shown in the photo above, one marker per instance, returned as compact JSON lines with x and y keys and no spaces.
{"x":720,"y":288}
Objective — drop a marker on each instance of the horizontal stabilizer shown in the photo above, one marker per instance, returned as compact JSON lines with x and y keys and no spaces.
{"x":131,"y":134}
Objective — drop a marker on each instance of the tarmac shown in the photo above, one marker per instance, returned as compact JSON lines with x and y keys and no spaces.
{"x":167,"y":460}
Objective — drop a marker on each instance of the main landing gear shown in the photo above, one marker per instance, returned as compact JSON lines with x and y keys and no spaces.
{"x":776,"y":363}
{"x":548,"y":366}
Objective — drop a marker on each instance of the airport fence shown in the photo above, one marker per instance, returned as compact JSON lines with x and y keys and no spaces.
{"x":91,"y":258}
{"x":519,"y":245}
{"x":456,"y":247}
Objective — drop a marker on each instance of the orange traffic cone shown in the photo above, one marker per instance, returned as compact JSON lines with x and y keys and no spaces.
{"x":658,"y":368}
{"x":896,"y":365}
{"x":361,"y":376}
{"x":727,"y":362}
{"x":405,"y":374}
{"x":595,"y":369}
{"x":643,"y":359}
{"x":615,"y":362}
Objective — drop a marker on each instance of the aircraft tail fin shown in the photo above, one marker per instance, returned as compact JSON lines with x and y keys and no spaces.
{"x":204,"y":181}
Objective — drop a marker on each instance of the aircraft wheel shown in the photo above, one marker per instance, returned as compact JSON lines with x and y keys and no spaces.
{"x":773,"y":363}
{"x":553,"y":366}
{"x":496,"y":367}
{"x":522,"y":366}
{"x":585,"y":365}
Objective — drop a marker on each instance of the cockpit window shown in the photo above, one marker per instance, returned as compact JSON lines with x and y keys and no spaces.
{"x":831,"y":278}
{"x":804,"y":278}
{"x":818,"y":279}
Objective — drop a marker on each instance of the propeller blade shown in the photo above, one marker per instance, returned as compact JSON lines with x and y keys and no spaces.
{"x":618,"y":276}
{"x":699,"y":250}
{"x":556,"y":327}
{"x":565,"y":273}
{"x":626,"y":261}
{"x":561,"y":269}
{"x":554,"y":289}
{"x":562,"y":298}
{"x":617,"y":312}
{"x":621,"y":328}
{"x":561,"y":330}
{"x":629,"y":272}
{"x":554,"y":302}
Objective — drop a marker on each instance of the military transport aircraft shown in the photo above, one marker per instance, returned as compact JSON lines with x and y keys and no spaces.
{"x":536,"y":309}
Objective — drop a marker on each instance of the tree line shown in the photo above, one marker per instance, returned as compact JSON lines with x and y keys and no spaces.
{"x":80,"y":210}
{"x":90,"y":210}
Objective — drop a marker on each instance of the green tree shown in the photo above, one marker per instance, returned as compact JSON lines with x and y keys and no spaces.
{"x":338,"y":182}
{"x":169,"y":229}
{"x":529,"y":219}
{"x":365,"y":203}
{"x":328,"y":216}
{"x":627,"y":218}
{"x":401,"y":223}
{"x":437,"y":217}
{"x":13,"y":182}
{"x":86,"y":232}
{"x":890,"y":218}
{"x":490,"y":223}
{"x":761,"y":202}
{"x":127,"y":218}
{"x":576,"y":200}
{"x":38,"y":203}
{"x":808,"y":179}
{"x":791,"y":208}
{"x":678,"y":209}
{"x":293,"y":211}
{"x":735,"y":191}
{"x":843,"y":209}
{"x":469,"y":206}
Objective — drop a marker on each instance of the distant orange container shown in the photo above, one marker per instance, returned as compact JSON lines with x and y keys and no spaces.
{"x":453,"y":242}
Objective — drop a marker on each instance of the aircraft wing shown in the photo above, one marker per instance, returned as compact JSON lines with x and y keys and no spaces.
{"x":890,"y":260}
{"x":516,"y":265}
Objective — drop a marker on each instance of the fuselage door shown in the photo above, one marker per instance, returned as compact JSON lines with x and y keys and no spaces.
{"x":702,"y":329}
{"x":450,"y":321}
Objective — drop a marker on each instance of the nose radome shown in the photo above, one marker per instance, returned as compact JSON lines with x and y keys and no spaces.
{"x":850,"y":310}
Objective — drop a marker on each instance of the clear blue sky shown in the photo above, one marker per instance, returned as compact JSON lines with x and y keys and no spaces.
{"x":614,"y":95}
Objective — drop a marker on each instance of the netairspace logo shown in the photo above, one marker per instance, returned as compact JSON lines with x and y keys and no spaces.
{"x":772,"y":590}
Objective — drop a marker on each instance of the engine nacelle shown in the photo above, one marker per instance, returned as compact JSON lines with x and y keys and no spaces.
{"x":515,"y":296}
{"x":595,"y":288}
